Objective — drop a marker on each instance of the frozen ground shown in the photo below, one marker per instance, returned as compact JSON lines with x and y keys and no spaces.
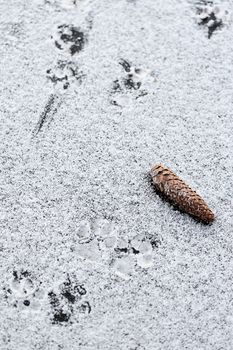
{"x":93,"y":93}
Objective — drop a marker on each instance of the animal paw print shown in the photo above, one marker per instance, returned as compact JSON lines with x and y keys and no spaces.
{"x":132,"y":80}
{"x":210,"y":16}
{"x":64,"y":74}
{"x":70,"y":38}
{"x":24,"y":292}
{"x":66,"y":299}
{"x":132,"y":253}
{"x":99,"y":242}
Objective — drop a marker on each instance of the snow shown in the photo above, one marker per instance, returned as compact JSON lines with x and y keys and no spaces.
{"x":91,"y":257}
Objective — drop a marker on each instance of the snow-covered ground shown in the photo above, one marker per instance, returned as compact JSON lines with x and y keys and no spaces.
{"x":93,"y":93}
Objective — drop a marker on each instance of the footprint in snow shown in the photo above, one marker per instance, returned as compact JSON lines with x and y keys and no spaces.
{"x":99,"y":242}
{"x":24,"y":292}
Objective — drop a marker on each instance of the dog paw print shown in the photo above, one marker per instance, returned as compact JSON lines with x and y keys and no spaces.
{"x":99,"y":242}
{"x":70,"y":39}
{"x":66,"y":299}
{"x":96,"y":240}
{"x":64,"y":74}
{"x":131,"y":81}
{"x":132,"y":253}
{"x":24,"y":292}
{"x":210,"y":16}
{"x":133,"y":78}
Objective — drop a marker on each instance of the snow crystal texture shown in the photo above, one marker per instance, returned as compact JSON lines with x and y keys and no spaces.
{"x":93,"y":93}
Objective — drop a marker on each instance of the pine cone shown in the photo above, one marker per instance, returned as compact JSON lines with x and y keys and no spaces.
{"x":180,"y":194}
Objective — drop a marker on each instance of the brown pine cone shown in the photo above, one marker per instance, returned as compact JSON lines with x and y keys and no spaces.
{"x":180,"y":194}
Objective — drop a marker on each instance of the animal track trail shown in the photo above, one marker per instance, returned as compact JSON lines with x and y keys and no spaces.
{"x":99,"y":242}
{"x":69,"y":40}
{"x":24,"y":292}
{"x":66,"y":300}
